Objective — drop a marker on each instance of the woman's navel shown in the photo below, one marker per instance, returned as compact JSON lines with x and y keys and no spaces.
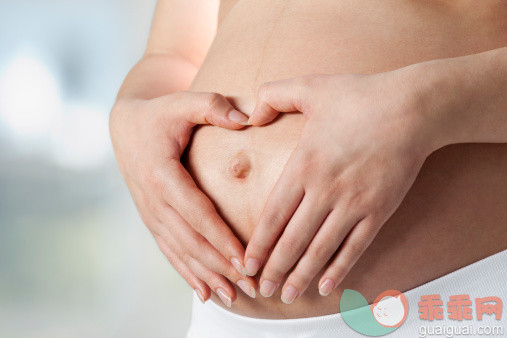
{"x":239,"y":166}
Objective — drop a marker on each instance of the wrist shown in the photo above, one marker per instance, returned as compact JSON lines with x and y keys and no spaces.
{"x":437,"y":101}
{"x":423,"y":109}
{"x":462,"y":100}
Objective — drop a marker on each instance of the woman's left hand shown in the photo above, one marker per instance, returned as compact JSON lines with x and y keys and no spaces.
{"x":363,"y":144}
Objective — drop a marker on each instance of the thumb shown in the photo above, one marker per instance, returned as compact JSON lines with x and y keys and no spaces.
{"x":279,"y":96}
{"x":207,"y":108}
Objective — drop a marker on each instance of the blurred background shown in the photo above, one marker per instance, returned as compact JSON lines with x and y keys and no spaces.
{"x":75,"y":258}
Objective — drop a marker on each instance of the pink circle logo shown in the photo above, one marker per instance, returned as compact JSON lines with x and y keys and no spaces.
{"x":390,"y":308}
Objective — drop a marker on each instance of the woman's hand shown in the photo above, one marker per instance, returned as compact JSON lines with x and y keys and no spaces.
{"x":149,"y":137}
{"x":361,"y":149}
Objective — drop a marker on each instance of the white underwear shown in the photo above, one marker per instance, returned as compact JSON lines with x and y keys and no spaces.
{"x":485,"y":278}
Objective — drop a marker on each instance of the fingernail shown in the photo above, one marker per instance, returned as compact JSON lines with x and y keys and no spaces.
{"x":247,"y":288}
{"x":238,"y":117}
{"x":224,"y":297}
{"x":326,"y":287}
{"x":199,"y":295}
{"x":289,"y":294}
{"x":267,"y":288}
{"x":241,"y":269}
{"x":252,"y":266}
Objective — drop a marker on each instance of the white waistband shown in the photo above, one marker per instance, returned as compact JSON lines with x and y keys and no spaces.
{"x":484,"y":278}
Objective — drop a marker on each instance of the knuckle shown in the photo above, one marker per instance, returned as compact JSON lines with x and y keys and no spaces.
{"x":219,"y":245}
{"x":200,"y":243}
{"x":307,"y":82}
{"x":151,"y":205}
{"x":257,"y":250}
{"x":307,"y":161}
{"x":274,"y":218}
{"x":367,"y":224}
{"x":199,"y":215}
{"x":320,"y":252}
{"x":178,"y":95}
{"x":223,"y":246}
{"x":263,"y":90}
{"x":357,"y":199}
{"x":205,"y":206}
{"x":193,"y":249}
{"x":154,"y":229}
{"x":307,"y":85}
{"x":212,"y":101}
{"x":273,"y":273}
{"x":166,"y":193}
{"x":231,"y":247}
{"x":212,"y":279}
{"x":300,"y":279}
{"x":229,"y":272}
{"x":198,"y":224}
{"x":376,"y":215}
{"x":334,"y":184}
{"x":202,"y":219}
{"x":182,"y":255}
{"x":321,"y":196}
{"x":171,"y":255}
{"x":291,"y":246}
{"x":157,"y":177}
{"x":202,"y":205}
{"x":150,"y":178}
{"x":339,"y":270}
{"x":372,"y":227}
{"x":170,"y":258}
{"x":355,"y":248}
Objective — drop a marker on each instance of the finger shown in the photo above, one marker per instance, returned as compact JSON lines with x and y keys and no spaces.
{"x":181,"y":193}
{"x":281,"y":204}
{"x":319,"y":252}
{"x":280,"y":96}
{"x":206,"y":108}
{"x":352,"y":248}
{"x":295,"y":239}
{"x":218,"y":283}
{"x":201,"y":289}
{"x":200,"y":249}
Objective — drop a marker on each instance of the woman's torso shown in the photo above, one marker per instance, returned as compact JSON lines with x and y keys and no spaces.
{"x":455,"y":212}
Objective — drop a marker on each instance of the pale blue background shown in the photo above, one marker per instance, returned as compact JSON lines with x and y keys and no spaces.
{"x":75,"y":259}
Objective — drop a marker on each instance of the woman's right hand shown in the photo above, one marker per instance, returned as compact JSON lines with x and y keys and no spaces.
{"x":149,"y":137}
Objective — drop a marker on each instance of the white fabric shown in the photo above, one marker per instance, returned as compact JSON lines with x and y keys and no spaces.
{"x":487,"y":277}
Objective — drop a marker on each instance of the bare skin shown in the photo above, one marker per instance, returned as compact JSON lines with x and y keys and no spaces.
{"x":453,"y":215}
{"x":150,"y":126}
{"x":456,"y":199}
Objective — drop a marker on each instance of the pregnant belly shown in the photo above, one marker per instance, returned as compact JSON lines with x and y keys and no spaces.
{"x":237,"y":169}
{"x":453,"y":215}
